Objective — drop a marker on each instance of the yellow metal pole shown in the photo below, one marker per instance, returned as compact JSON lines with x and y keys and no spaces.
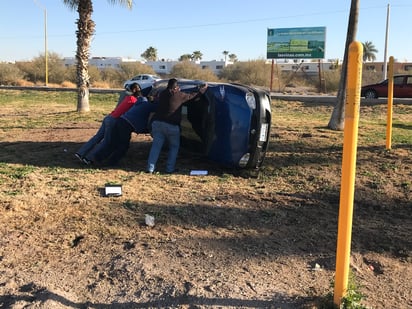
{"x":390,"y":105}
{"x":46,"y":79}
{"x":350,"y":142}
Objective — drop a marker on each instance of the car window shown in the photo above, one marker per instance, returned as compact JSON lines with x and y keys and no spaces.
{"x":144,"y":77}
{"x":409,"y":80}
{"x":398,"y":80}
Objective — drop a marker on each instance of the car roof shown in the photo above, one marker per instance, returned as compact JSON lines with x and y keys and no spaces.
{"x":197,"y":82}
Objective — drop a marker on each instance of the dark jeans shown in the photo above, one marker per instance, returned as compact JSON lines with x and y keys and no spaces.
{"x":119,"y":143}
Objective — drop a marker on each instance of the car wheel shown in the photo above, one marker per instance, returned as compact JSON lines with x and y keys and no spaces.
{"x":371,"y":94}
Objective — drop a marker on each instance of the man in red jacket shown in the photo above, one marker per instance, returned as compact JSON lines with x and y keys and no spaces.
{"x":102,"y":136}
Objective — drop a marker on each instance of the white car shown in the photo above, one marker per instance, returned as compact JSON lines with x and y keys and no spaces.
{"x":144,"y":80}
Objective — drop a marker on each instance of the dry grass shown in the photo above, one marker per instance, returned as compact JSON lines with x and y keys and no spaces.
{"x":220,"y":240}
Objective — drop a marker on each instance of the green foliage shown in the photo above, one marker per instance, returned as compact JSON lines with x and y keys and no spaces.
{"x":185,"y":57}
{"x":369,"y":51}
{"x":9,"y":73}
{"x":353,"y":297}
{"x":197,"y":55}
{"x":150,"y":54}
{"x":233,"y":57}
{"x":19,"y":172}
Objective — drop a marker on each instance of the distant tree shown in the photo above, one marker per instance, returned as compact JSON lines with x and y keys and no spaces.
{"x":232,"y":57}
{"x":95,"y":75}
{"x":225,"y":53}
{"x":197,"y":55}
{"x":150,"y":54}
{"x":10,"y":73}
{"x":34,"y":69}
{"x":133,"y":68}
{"x":254,"y":72}
{"x":185,"y":57}
{"x":56,"y":68}
{"x":188,"y":69}
{"x":369,"y":51}
{"x":84,"y":33}
{"x":113,"y":77}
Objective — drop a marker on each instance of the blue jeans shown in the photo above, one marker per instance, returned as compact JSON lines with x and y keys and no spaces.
{"x":161,"y":132}
{"x":102,"y":136}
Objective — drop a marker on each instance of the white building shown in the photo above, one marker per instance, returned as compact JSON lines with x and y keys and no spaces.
{"x":160,"y":66}
{"x":101,"y":62}
{"x":306,"y":67}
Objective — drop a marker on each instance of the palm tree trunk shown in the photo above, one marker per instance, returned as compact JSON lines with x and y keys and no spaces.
{"x":337,"y":120}
{"x":85,"y":30}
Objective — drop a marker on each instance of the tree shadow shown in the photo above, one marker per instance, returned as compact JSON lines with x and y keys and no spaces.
{"x":32,"y":293}
{"x":294,"y":213}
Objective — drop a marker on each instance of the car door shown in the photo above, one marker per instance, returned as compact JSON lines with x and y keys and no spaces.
{"x":404,"y":90}
{"x":194,"y":124}
{"x":399,"y":86}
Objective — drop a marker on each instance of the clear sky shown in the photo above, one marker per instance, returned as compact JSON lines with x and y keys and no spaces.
{"x":181,"y":27}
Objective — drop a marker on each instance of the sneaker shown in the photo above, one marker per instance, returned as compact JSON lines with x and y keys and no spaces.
{"x":78,"y":156}
{"x":87,"y":161}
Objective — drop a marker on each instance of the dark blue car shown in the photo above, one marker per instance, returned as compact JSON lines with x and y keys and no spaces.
{"x":229,"y":124}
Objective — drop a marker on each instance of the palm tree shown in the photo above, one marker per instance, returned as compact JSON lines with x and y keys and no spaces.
{"x":185,"y":57}
{"x":233,"y":57}
{"x":369,"y":51}
{"x":84,"y":33}
{"x":150,"y":54}
{"x":225,"y":52}
{"x":197,"y":55}
{"x":337,"y":120}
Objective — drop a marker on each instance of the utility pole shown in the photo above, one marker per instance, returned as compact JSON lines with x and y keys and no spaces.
{"x":385,"y":69}
{"x":46,"y":65}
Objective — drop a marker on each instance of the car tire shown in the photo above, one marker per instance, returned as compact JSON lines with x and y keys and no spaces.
{"x":371,"y":94}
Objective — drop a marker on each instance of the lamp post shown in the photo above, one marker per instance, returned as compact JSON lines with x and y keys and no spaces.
{"x":385,"y":69}
{"x":46,"y":66}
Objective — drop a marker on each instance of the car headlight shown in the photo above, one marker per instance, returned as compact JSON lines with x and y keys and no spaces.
{"x":244,"y":160}
{"x":250,"y":99}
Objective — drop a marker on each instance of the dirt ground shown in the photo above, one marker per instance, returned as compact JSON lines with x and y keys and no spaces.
{"x":219,"y":241}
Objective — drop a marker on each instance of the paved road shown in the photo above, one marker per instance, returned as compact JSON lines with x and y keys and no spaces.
{"x":315,"y":99}
{"x":327,"y":99}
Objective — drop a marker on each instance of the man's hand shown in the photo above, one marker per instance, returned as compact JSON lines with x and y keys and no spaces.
{"x":203,"y":89}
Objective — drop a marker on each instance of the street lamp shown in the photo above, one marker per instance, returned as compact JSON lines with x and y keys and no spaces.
{"x":385,"y":69}
{"x":46,"y":78}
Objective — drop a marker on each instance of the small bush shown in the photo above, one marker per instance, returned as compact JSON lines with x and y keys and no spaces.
{"x":9,"y":74}
{"x":23,"y":83}
{"x":331,"y":81}
{"x":187,"y":69}
{"x":104,"y":85}
{"x":253,"y":72}
{"x":67,"y":84}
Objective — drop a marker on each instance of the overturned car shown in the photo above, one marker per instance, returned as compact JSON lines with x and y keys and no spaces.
{"x":229,"y":123}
